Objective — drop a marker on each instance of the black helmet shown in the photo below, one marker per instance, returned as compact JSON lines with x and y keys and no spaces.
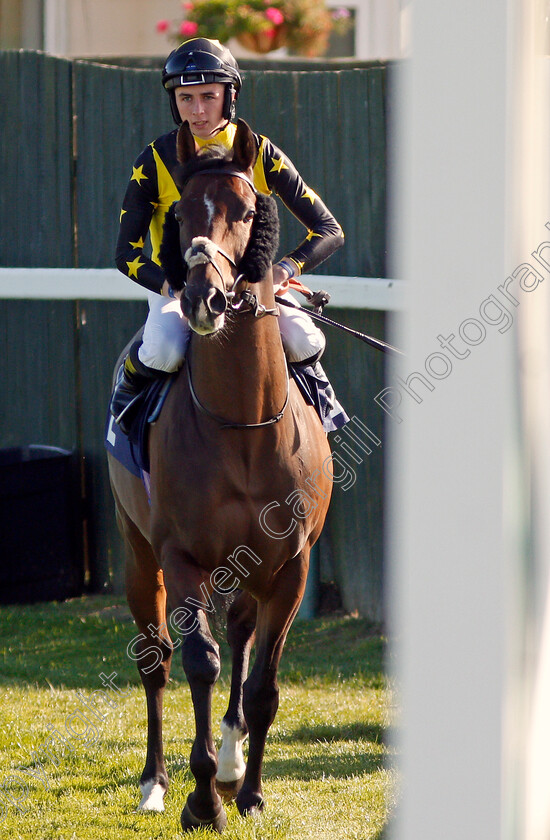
{"x":201,"y":61}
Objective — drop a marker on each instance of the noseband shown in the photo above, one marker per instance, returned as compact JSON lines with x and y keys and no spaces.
{"x":203,"y":250}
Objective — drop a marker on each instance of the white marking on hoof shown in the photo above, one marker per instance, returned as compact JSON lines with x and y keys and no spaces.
{"x":152,"y":797}
{"x":231,"y":764}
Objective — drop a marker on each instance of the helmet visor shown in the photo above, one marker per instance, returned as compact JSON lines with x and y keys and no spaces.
{"x":198,"y":68}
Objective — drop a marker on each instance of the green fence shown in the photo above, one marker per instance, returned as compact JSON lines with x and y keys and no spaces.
{"x":70,"y":132}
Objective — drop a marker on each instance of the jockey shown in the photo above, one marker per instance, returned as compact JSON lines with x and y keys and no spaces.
{"x":203,"y":82}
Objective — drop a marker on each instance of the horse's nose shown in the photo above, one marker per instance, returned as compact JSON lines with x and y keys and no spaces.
{"x":204,"y":309}
{"x":216,"y":301}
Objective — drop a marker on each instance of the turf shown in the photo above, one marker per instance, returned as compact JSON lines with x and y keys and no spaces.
{"x":328,"y":772}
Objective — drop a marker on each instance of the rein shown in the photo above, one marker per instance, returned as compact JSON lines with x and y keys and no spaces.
{"x":259,"y":311}
{"x":228,"y":424}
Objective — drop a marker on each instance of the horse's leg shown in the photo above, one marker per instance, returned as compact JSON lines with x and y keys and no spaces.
{"x":241,"y":622}
{"x":261,"y":691}
{"x":201,"y":663}
{"x":146,"y":597}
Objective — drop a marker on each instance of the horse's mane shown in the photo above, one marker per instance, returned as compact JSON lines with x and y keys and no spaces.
{"x":170,"y":256}
{"x":264,"y":239}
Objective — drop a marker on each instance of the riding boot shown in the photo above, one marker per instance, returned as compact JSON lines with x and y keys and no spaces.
{"x":129,"y":388}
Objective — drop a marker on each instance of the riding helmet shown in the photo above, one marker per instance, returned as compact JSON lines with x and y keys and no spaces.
{"x":201,"y":61}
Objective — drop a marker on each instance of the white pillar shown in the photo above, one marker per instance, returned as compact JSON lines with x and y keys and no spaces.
{"x":56,"y":27}
{"x":529,"y":707}
{"x":450,"y":558}
{"x":377,"y":28}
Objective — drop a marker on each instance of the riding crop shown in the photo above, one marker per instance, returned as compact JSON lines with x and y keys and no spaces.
{"x":320,"y":299}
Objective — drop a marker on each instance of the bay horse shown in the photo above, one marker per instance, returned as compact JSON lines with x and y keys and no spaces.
{"x":239,"y":487}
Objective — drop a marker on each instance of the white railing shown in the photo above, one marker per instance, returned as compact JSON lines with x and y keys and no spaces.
{"x":110,"y":284}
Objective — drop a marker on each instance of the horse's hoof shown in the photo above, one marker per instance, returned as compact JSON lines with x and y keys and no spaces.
{"x":250,"y":804}
{"x":229,"y":790}
{"x":152,"y":797}
{"x":189,"y":822}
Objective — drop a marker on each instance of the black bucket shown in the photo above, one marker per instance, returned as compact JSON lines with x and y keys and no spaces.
{"x":41,"y":556}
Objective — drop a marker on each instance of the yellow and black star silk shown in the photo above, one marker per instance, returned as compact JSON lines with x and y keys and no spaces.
{"x":151,"y":191}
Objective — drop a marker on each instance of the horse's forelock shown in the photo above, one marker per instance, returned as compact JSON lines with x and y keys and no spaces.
{"x":210,"y":157}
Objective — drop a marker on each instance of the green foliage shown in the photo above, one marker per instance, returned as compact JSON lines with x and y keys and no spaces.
{"x":327,"y":770}
{"x":302,"y":25}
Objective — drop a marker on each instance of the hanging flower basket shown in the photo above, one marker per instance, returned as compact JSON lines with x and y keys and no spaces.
{"x":304,"y":26}
{"x":263,"y":42}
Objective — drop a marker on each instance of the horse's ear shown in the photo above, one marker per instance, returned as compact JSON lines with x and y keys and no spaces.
{"x":245,"y":150}
{"x":186,"y":145}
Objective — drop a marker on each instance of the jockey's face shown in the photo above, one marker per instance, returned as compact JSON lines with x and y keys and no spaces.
{"x":202,"y":107}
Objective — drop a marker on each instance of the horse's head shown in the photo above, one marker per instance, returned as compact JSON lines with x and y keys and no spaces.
{"x":219,"y":225}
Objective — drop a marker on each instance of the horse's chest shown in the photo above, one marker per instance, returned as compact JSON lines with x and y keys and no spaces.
{"x":260,"y":517}
{"x":224,"y":498}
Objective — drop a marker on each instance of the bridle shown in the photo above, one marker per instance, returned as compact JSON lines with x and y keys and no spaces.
{"x":202,"y":250}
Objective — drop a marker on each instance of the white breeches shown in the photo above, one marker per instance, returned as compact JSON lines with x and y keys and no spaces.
{"x":166,"y":334}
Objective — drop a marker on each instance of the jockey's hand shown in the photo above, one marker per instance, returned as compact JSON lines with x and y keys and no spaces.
{"x":280,"y":279}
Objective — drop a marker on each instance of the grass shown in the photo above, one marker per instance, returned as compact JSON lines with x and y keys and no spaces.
{"x":327,"y":771}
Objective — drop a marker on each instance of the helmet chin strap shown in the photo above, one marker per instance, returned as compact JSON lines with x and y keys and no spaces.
{"x":228,"y":110}
{"x":229,"y":102}
{"x":174,"y":107}
{"x":222,"y":127}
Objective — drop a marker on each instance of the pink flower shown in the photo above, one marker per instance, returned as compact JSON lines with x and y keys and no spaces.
{"x":188,"y":28}
{"x":162,"y":25}
{"x":274,"y":15}
{"x":187,"y":6}
{"x":340,"y":13}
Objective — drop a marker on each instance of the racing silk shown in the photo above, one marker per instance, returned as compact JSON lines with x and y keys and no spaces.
{"x":151,"y":191}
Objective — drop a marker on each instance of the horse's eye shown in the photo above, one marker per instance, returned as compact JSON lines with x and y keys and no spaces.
{"x":249,"y":216}
{"x":178,"y":217}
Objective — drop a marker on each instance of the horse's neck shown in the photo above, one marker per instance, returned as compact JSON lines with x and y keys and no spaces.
{"x":242,"y":375}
